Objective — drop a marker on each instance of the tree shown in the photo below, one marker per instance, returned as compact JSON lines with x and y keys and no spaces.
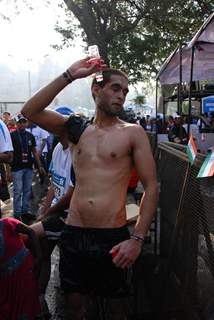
{"x":133,"y":35}
{"x":136,"y":35}
{"x":102,"y":21}
{"x":139,"y":100}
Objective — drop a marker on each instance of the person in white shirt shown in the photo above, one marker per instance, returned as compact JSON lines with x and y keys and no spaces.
{"x":6,"y":146}
{"x":6,"y":156}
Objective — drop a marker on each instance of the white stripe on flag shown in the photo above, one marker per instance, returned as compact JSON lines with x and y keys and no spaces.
{"x":206,"y":166}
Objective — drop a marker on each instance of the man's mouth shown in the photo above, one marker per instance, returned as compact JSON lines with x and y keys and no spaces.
{"x":118,"y":105}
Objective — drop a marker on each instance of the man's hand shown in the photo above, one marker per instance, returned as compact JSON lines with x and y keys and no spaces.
{"x":125,"y":253}
{"x":177,"y":140}
{"x":42,"y":171}
{"x":86,"y":67}
{"x":41,"y":214}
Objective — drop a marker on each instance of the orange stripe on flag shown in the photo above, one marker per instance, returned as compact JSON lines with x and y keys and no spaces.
{"x":194,"y":146}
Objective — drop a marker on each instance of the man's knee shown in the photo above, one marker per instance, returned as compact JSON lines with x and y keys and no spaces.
{"x":38,"y":229}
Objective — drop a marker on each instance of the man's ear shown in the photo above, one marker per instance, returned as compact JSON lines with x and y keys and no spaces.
{"x":95,"y":90}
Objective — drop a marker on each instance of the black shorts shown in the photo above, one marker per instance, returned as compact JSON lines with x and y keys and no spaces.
{"x":54,"y":224}
{"x":85,"y":262}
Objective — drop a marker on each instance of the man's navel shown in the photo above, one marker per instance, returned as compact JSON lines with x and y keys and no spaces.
{"x":113,"y":154}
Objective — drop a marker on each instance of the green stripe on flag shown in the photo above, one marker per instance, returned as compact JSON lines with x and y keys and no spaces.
{"x":190,"y":155}
{"x":203,"y":167}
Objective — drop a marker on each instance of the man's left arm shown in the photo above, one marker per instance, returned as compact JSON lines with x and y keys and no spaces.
{"x":129,"y":250}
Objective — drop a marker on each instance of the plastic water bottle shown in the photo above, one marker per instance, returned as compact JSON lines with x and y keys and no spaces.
{"x":94,"y":53}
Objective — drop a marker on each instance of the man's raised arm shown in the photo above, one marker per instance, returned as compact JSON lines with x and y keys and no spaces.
{"x":34,"y":108}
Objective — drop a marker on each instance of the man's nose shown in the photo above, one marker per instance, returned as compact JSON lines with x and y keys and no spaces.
{"x":121,"y":95}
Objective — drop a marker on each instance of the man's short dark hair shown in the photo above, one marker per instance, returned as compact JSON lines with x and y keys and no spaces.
{"x":107,"y":75}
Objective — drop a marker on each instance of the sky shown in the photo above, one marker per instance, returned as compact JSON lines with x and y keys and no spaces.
{"x":27,"y":38}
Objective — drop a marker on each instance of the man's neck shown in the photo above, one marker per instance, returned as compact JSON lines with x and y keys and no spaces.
{"x":102,"y":120}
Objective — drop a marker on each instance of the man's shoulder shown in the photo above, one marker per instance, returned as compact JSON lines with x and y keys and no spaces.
{"x":58,"y":148}
{"x":133,"y":127}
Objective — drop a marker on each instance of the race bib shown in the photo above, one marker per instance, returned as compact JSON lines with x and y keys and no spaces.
{"x":59,"y":185}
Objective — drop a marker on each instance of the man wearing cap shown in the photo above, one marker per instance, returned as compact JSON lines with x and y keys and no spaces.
{"x":24,"y":146}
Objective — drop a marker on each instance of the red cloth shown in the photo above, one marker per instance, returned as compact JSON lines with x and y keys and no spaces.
{"x":134,"y":179}
{"x":19,"y":295}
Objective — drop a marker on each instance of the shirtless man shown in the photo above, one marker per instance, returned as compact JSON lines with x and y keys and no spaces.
{"x":96,"y":247}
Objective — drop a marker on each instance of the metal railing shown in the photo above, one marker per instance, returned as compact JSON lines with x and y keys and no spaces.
{"x":186,"y":235}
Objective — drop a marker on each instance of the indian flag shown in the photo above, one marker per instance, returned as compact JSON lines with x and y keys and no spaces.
{"x":207,"y":168}
{"x":191,"y":149}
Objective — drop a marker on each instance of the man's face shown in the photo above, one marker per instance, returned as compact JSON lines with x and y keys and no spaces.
{"x":178,"y":121}
{"x":21,"y":125}
{"x":111,"y":97}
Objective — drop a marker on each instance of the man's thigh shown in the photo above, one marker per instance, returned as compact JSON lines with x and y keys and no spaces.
{"x":17,"y":180}
{"x":27,"y":178}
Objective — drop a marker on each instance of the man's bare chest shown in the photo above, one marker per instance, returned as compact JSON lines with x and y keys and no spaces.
{"x":101,"y":145}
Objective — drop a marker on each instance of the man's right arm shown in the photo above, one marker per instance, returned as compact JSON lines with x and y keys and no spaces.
{"x":58,"y":207}
{"x":34,"y":108}
{"x":52,"y":121}
{"x":6,"y":157}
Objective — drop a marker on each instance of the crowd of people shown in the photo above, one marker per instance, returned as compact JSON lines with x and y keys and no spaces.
{"x":90,"y":164}
{"x":176,"y":126}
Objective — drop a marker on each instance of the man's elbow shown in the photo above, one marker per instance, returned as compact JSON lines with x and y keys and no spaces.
{"x":25,"y":111}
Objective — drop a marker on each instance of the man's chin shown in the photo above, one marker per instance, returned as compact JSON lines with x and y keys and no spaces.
{"x":113,"y":113}
{"x":116,"y":112}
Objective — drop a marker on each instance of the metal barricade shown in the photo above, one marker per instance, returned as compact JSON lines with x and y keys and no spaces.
{"x":186,"y":235}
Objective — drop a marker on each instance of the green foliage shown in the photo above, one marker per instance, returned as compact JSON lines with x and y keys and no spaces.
{"x":135,"y":36}
{"x":139,"y":100}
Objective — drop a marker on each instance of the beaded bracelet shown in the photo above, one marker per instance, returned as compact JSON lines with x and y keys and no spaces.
{"x":137,"y":238}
